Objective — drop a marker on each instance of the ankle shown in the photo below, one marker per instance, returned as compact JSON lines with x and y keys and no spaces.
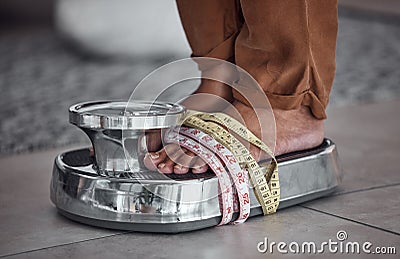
{"x":215,"y":88}
{"x":211,"y":96}
{"x":297,"y":130}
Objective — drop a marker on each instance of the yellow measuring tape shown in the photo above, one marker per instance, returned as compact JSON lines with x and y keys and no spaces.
{"x":266,"y":184}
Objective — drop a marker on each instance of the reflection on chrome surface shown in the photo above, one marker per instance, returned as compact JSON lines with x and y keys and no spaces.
{"x":150,"y":197}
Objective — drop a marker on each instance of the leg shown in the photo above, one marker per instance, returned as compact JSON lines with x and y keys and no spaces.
{"x":288,"y":46}
{"x":211,"y":27}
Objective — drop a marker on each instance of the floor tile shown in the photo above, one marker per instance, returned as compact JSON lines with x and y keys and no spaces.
{"x":368,"y":144}
{"x":290,"y":225}
{"x":28,"y":220}
{"x":377,"y":207}
{"x":385,"y":6}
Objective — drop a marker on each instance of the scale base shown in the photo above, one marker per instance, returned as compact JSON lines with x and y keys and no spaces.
{"x":152,"y":202}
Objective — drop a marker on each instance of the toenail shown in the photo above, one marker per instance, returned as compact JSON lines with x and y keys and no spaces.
{"x":161,"y":165}
{"x":178,"y":166}
{"x":154,"y":155}
{"x":196,"y":171}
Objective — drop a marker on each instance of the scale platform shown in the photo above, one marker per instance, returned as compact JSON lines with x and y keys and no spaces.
{"x":152,"y":202}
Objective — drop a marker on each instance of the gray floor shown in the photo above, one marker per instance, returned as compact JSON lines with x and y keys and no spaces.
{"x":366,"y":206}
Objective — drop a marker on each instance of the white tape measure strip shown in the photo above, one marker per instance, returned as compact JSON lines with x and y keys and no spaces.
{"x":267,"y":193}
{"x":235,"y":126}
{"x":271,"y":174}
{"x":238,"y":175}
{"x":215,"y":165}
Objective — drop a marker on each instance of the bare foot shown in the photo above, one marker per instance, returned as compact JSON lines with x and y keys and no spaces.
{"x":211,"y":96}
{"x":295,"y":130}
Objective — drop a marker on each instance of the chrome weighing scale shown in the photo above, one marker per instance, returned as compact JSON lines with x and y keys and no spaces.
{"x":111,"y":189}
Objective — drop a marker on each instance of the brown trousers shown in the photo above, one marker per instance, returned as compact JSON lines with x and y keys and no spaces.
{"x":288,"y":46}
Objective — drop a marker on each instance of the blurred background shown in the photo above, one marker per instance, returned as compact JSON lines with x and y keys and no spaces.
{"x":57,"y":53}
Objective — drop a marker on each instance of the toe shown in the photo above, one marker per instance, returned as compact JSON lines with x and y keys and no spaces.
{"x":174,"y":151}
{"x":186,"y":159}
{"x":184,"y":162}
{"x":179,"y":169}
{"x":166,"y":166}
{"x":153,"y":159}
{"x":200,"y":170}
{"x":199,"y":163}
{"x":199,"y":166}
